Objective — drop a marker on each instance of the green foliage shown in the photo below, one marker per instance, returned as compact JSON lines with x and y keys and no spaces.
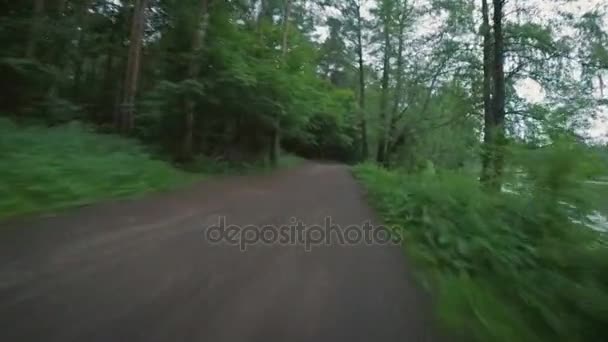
{"x":518,"y":265}
{"x":443,"y":132}
{"x":594,"y":36}
{"x":246,"y":87}
{"x":48,"y":168}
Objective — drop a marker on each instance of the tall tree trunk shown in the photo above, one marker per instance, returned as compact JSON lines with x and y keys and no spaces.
{"x":198,"y":39}
{"x":275,"y":136}
{"x":60,"y":42}
{"x":265,"y":10}
{"x":79,"y":59}
{"x":398,"y":84}
{"x":488,"y":116}
{"x":107,"y":91}
{"x":499,"y":96}
{"x":38,"y":14}
{"x":286,"y":14}
{"x":380,"y":155}
{"x":127,"y":111}
{"x":362,"y":120}
{"x":59,"y":7}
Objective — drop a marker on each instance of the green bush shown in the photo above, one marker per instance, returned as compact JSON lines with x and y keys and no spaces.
{"x":47,"y":168}
{"x":516,"y":265}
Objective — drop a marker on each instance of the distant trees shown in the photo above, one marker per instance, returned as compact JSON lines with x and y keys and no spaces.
{"x":246,"y":79}
{"x":352,"y":27}
{"x":192,"y":77}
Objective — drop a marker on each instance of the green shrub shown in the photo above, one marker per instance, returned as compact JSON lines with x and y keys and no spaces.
{"x":515,"y":265}
{"x":46,"y":168}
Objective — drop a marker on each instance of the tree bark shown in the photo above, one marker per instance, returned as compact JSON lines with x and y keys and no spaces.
{"x":363,"y":122}
{"x":499,"y":96}
{"x":275,"y":136}
{"x":380,"y":155}
{"x":79,"y":59}
{"x":59,"y":7}
{"x":287,"y":12}
{"x":198,"y":39}
{"x":489,"y":124}
{"x":398,"y":84}
{"x":127,"y":111}
{"x":38,"y":13}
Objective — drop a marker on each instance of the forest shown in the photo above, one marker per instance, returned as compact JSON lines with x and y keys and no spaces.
{"x":478,"y":127}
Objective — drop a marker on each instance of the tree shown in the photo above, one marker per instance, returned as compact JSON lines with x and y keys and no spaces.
{"x":243,"y":79}
{"x":359,"y":47}
{"x":499,"y":94}
{"x":125,"y":121}
{"x":488,"y":116}
{"x":198,"y":38}
{"x":37,"y":17}
{"x":275,"y":136}
{"x":385,"y":16}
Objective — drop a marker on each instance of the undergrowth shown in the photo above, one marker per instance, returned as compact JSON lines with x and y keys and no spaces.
{"x":45,"y":168}
{"x":506,"y":266}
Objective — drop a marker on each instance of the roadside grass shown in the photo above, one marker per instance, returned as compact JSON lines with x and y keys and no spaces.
{"x":503,"y":266}
{"x":44,"y":169}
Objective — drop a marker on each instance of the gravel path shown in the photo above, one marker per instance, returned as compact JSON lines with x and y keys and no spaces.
{"x":143,"y":270}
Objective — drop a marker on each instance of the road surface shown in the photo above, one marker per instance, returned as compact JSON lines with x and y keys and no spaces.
{"x":143,"y":270}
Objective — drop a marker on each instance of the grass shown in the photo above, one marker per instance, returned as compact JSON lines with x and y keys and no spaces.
{"x":45,"y":169}
{"x":503,"y":266}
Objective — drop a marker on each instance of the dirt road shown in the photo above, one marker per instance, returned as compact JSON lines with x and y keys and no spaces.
{"x":143,"y":270}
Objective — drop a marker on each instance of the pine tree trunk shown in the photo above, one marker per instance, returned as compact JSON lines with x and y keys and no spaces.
{"x":38,"y":14}
{"x":398,"y":86}
{"x":499,"y":97}
{"x":127,"y":109}
{"x":489,"y":124}
{"x":275,"y":141}
{"x":380,"y":155}
{"x":82,"y":24}
{"x":198,"y":39}
{"x":363,"y":121}
{"x":60,"y":7}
